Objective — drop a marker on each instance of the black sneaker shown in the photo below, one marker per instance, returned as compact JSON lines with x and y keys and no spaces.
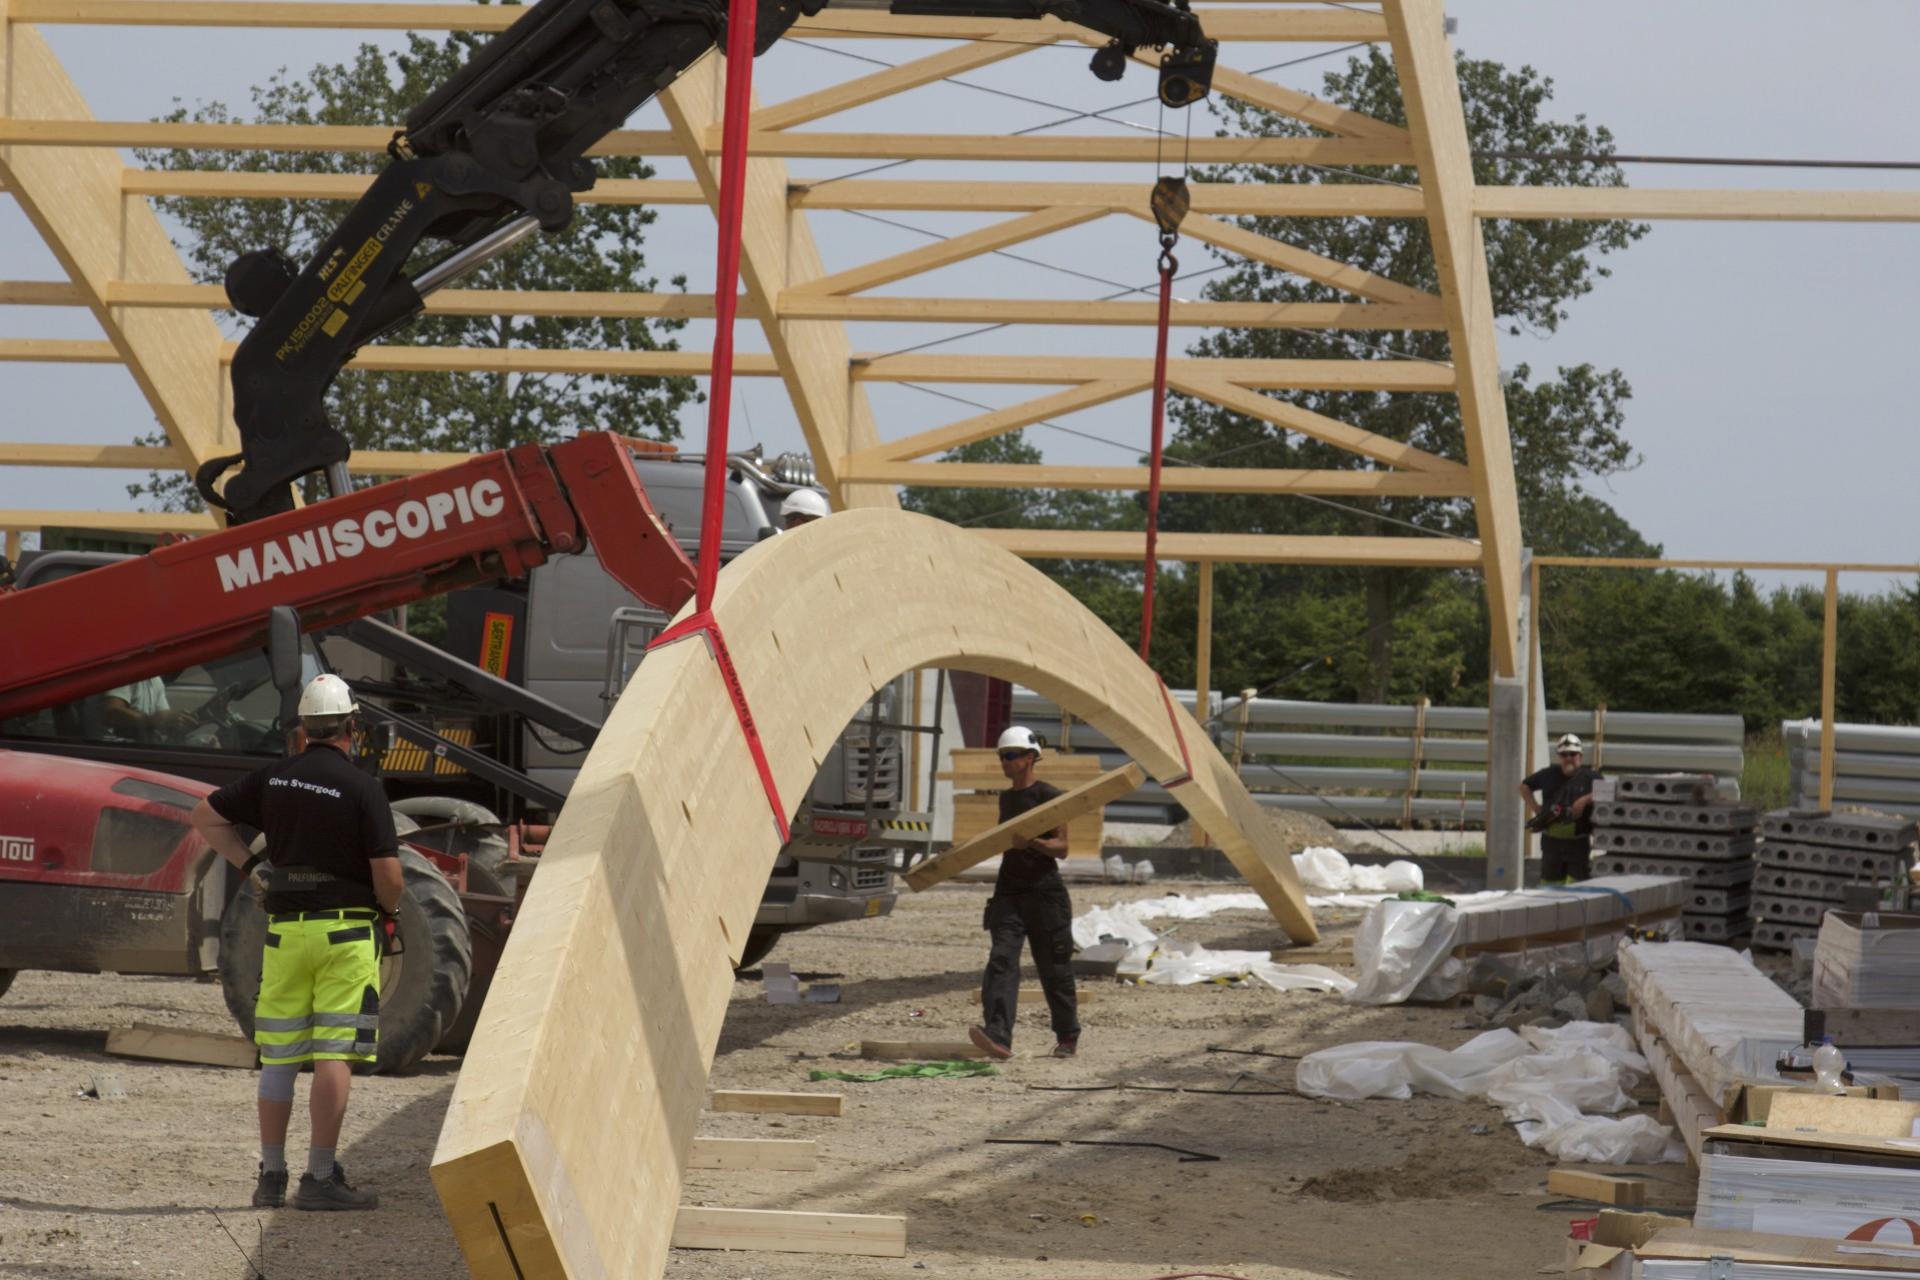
{"x":270,"y":1189}
{"x":1067,"y":1047}
{"x":332,"y":1193}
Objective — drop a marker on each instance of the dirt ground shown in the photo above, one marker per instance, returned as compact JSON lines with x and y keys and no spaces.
{"x":157,"y":1184}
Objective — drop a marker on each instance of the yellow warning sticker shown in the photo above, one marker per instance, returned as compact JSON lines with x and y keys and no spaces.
{"x":496,"y":643}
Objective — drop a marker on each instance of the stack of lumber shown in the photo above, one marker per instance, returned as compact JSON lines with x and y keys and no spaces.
{"x":1530,"y":917}
{"x":1676,"y":825}
{"x":1822,"y":1167}
{"x":1808,"y":860}
{"x":978,"y":782}
{"x":1709,"y":1023}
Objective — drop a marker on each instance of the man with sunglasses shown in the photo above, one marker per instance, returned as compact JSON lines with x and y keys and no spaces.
{"x":1564,"y":812}
{"x":1029,"y":905}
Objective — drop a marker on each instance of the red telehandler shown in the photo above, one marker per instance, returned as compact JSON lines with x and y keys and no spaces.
{"x":99,"y":866}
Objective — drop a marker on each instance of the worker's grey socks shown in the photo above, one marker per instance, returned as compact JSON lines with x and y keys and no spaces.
{"x":273,"y":1159}
{"x":276,"y":1081}
{"x":320,"y":1163}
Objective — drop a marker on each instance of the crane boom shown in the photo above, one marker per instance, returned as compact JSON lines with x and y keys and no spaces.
{"x":496,"y":516}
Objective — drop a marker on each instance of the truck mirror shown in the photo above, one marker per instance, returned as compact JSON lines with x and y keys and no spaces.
{"x":283,"y":647}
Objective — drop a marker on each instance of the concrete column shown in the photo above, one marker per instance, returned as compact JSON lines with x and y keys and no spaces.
{"x":1506,"y":756}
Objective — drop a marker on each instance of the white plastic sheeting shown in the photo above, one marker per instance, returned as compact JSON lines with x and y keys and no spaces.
{"x":1181,"y":963}
{"x":1328,"y":871}
{"x":1397,"y":945}
{"x":1546,"y":1081}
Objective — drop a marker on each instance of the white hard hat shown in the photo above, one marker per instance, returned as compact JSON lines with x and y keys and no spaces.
{"x":326,"y":695}
{"x":1568,"y":742}
{"x":810,"y":503}
{"x":1018,"y":738}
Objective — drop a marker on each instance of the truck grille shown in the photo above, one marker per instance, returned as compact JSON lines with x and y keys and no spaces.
{"x":873,"y":771}
{"x":870,"y":877}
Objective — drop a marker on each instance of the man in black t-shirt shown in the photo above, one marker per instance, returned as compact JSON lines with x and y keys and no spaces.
{"x":1029,"y":905}
{"x":1564,"y":812}
{"x":333,"y":876}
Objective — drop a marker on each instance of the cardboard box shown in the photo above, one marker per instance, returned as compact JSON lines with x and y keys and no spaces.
{"x":1754,"y":1102}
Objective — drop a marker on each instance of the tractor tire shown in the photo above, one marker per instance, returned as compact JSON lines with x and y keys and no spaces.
{"x":446,"y":809}
{"x":759,"y":942}
{"x":421,"y":990}
{"x":6,"y":979}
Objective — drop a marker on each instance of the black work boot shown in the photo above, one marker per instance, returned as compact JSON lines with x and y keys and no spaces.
{"x":270,"y":1189}
{"x":332,"y":1193}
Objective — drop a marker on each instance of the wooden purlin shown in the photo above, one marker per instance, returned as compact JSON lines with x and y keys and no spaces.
{"x":1431,"y":90}
{"x":74,"y":201}
{"x":777,"y":252}
{"x":620,"y":960}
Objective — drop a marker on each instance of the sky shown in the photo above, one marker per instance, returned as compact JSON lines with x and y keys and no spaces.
{"x":1768,"y":360}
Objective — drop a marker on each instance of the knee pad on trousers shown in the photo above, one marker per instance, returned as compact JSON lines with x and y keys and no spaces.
{"x":276,"y":1081}
{"x":998,"y":964}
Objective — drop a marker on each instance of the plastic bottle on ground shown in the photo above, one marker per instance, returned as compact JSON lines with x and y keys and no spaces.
{"x":1828,"y":1063}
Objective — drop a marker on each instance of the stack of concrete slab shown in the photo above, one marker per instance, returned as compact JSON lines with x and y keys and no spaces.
{"x":1709,"y":1023}
{"x":1569,"y":912}
{"x":1676,"y":825}
{"x":1808,"y":860}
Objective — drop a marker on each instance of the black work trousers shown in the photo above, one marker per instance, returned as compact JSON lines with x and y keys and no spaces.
{"x":1042,"y":916}
{"x":1566,"y":858}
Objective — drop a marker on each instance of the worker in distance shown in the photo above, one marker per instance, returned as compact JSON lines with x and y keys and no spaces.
{"x":333,"y":884}
{"x":1029,"y":905}
{"x":1563,"y":814}
{"x":803,"y":506}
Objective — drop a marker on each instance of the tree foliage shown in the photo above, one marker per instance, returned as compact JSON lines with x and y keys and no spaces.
{"x":601,"y":251}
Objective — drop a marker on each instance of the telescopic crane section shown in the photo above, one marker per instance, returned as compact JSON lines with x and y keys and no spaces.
{"x":498,"y":152}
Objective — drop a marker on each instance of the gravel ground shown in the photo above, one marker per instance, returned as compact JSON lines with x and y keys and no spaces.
{"x":1422,"y":1190}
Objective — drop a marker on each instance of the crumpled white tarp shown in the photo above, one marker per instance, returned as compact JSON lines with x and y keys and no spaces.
{"x":1328,"y":871}
{"x":1182,"y":963}
{"x":1547,"y":1080}
{"x":1397,"y":945}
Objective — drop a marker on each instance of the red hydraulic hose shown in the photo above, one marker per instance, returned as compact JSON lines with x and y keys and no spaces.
{"x":1167,"y":267}
{"x":733,"y":180}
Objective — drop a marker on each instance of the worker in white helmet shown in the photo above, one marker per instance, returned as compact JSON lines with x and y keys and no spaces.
{"x":803,"y":506}
{"x":1029,"y":905}
{"x":1563,"y":813}
{"x":333,"y":889}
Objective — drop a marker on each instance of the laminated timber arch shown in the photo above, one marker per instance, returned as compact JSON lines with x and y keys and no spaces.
{"x":563,"y":1144}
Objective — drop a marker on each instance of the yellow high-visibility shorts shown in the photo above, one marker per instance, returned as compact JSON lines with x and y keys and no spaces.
{"x":319,"y":989}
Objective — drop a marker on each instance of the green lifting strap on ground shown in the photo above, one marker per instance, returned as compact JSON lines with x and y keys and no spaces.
{"x":620,"y":965}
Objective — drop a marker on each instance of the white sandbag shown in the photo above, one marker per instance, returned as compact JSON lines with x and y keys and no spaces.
{"x":1397,"y":945}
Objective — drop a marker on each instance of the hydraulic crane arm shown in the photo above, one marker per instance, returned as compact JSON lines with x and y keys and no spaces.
{"x":500,"y":151}
{"x":496,"y":516}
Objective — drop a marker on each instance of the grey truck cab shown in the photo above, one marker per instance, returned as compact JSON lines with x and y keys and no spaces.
{"x":585,"y":636}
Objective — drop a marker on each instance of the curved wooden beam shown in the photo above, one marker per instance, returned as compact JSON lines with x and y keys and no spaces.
{"x":619,"y":968}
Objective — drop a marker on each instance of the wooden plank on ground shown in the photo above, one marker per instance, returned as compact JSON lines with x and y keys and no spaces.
{"x":764,"y":1102}
{"x":796,"y":1155}
{"x":919,"y":1050}
{"x":1035,"y":821}
{"x":167,"y":1044}
{"x":1864,"y":1028}
{"x":1602,"y":1188}
{"x":780,"y":1231}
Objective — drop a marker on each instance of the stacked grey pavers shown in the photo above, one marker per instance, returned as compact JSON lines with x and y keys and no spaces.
{"x":1809,"y":858}
{"x":1675,"y":824}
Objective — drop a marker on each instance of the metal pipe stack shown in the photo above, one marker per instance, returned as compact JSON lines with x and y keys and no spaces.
{"x":1675,"y":824}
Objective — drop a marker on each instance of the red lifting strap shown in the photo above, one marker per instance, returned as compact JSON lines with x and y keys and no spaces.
{"x":702,"y":623}
{"x":733,"y":180}
{"x":1167,"y":267}
{"x":1180,"y":739}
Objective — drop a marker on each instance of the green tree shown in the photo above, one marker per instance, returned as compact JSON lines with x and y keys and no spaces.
{"x":601,"y":251}
{"x":1564,"y":428}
